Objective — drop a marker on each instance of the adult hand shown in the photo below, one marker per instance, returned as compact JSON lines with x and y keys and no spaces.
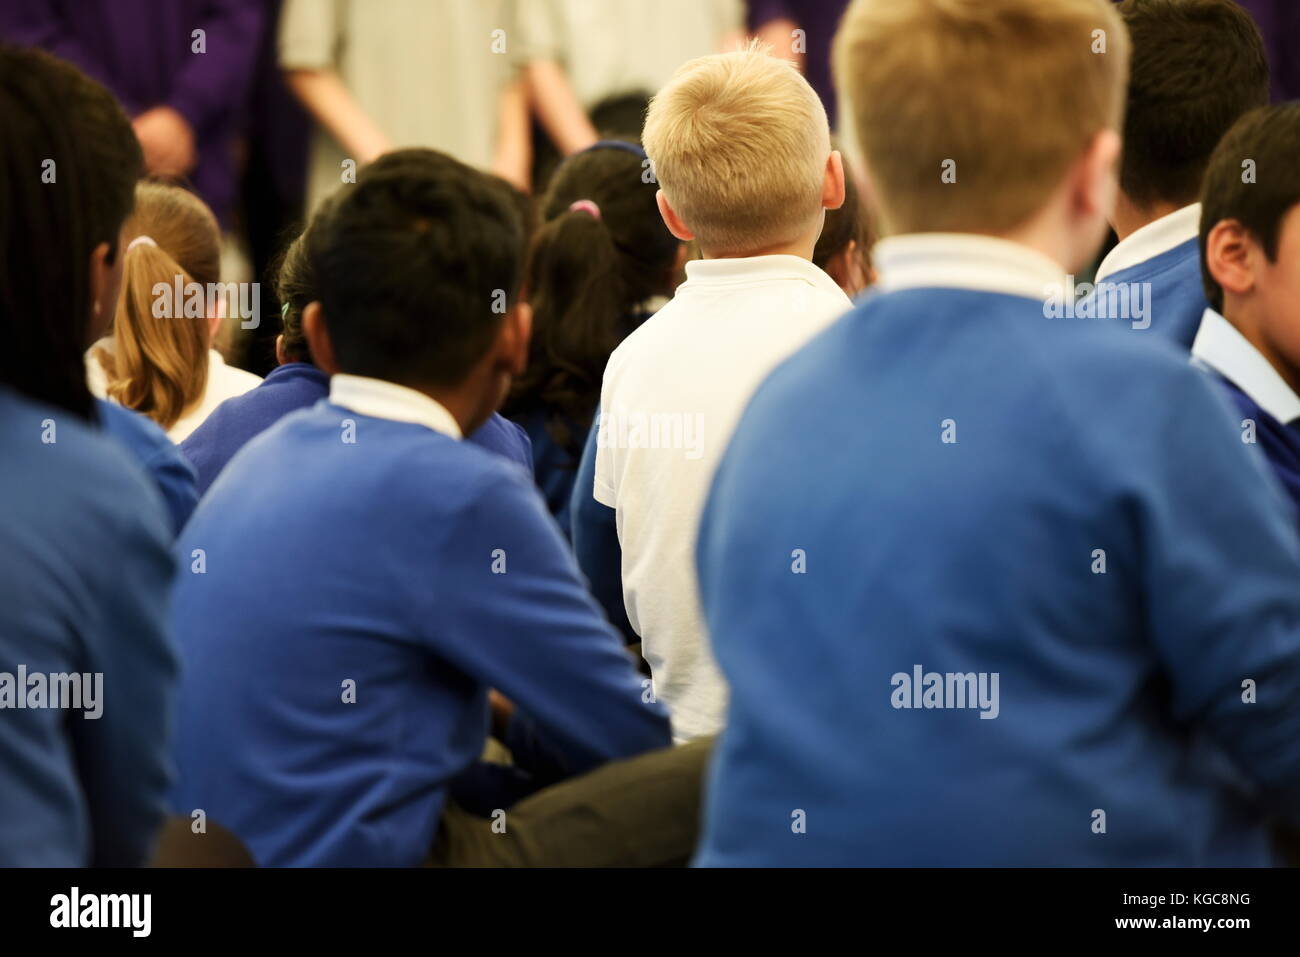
{"x":167,"y":142}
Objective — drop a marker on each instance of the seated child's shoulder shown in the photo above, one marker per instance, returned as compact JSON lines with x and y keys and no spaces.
{"x":82,"y":472}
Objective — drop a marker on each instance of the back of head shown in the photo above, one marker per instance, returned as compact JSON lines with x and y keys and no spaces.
{"x":417,"y":264}
{"x":1197,"y":66}
{"x":158,"y":364}
{"x":602,"y":250}
{"x":296,"y":288}
{"x":1253,"y":177}
{"x":68,"y":164}
{"x":739,"y":143}
{"x":968,"y":113}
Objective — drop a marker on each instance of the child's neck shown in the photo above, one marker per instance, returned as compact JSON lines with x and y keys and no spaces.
{"x":802,"y":247}
{"x":1129,"y":218}
{"x":1244,"y":317}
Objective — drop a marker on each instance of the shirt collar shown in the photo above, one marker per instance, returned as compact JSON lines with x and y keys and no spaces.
{"x":748,"y":269}
{"x":965,"y":261}
{"x":1156,"y":237}
{"x":388,"y":400}
{"x":1224,"y":349}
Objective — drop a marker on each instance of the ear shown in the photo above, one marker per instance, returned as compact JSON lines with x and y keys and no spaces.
{"x":516,"y":332}
{"x":1228,"y":257}
{"x":1096,"y":181}
{"x":833,"y":182}
{"x":280,"y":357}
{"x":318,"y":339}
{"x":105,"y":284}
{"x":672,"y":220}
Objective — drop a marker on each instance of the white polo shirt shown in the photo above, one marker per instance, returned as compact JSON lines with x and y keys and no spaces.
{"x":1221,"y":347}
{"x":672,"y":395}
{"x":1156,"y":237}
{"x":224,"y":382}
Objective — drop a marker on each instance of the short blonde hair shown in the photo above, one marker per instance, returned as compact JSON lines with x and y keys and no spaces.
{"x":739,"y":143}
{"x":999,"y":95}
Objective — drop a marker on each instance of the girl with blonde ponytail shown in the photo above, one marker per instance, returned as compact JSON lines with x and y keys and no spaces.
{"x":158,"y":357}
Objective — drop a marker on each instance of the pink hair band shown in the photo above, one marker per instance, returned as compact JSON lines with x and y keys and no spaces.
{"x":586,"y":206}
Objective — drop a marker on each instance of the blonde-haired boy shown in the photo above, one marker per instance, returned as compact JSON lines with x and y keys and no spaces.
{"x":740,"y":145}
{"x":742,"y":151}
{"x":983,"y":583}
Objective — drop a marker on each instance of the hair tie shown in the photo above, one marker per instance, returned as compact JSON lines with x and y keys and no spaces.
{"x":140,"y":241}
{"x":284,"y":312}
{"x":585,"y":206}
{"x":623,"y":145}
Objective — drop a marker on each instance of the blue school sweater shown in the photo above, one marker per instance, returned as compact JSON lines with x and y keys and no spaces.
{"x":293,"y":386}
{"x":1092,"y":532}
{"x":1177,"y":298}
{"x":594,"y":534}
{"x":554,"y":469}
{"x":326,"y":704}
{"x":150,"y":446}
{"x":1279,"y":442}
{"x":286,"y":388}
{"x":85,"y":571}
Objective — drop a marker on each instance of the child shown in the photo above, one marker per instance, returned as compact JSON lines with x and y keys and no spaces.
{"x":159,"y":359}
{"x":297,"y":383}
{"x":843,"y":249}
{"x":601,"y":262}
{"x":1197,"y":66}
{"x":742,"y":154}
{"x":84,"y":564}
{"x":1250,"y":256}
{"x":170,"y":470}
{"x":1041,"y":534}
{"x":409,"y":571}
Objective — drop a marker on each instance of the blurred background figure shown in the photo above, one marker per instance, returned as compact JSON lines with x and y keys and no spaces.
{"x":591,"y":67}
{"x":431,"y":73}
{"x":801,"y":30}
{"x":1279,"y":22}
{"x":181,"y":70}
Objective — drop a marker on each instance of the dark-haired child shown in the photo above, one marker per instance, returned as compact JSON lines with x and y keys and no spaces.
{"x":1197,"y":66}
{"x":1250,"y":255}
{"x":843,"y":249}
{"x":297,"y":383}
{"x":84,"y":564}
{"x":406,"y":572}
{"x":601,"y":262}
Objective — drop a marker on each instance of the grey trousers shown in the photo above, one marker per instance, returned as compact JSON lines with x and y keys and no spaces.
{"x":639,"y":812}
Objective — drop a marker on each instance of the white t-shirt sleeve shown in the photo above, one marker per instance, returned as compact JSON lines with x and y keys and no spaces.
{"x":309,"y":34}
